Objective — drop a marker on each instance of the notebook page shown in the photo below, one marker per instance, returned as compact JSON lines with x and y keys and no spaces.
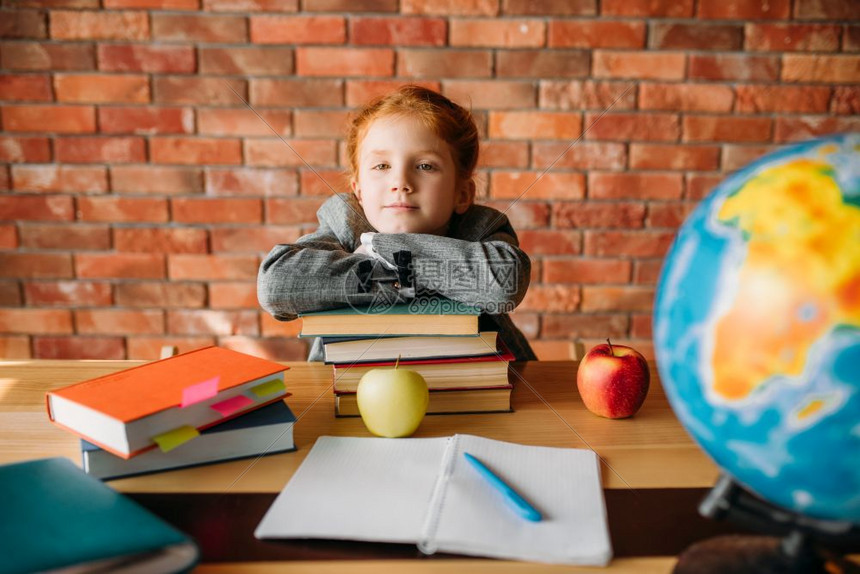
{"x":563,"y":484}
{"x":373,"y":489}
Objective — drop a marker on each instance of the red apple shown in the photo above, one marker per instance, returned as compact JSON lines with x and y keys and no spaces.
{"x":613,"y":380}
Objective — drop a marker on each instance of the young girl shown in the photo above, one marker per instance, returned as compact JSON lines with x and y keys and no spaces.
{"x":412,"y":158}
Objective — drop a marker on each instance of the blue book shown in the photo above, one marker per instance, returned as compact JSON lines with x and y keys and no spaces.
{"x":54,"y":517}
{"x":267,"y":430}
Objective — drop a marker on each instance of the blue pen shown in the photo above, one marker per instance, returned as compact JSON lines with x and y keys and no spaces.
{"x":517,"y":502}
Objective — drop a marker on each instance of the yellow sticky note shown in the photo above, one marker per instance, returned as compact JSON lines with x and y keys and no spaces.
{"x":169,"y":440}
{"x":268,"y":388}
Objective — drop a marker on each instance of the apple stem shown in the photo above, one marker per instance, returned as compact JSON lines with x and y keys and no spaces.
{"x":611,"y":352}
{"x":397,"y":362}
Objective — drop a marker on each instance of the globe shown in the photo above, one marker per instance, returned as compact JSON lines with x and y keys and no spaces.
{"x":757,"y":327}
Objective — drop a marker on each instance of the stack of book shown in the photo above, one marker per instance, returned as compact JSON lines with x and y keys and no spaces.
{"x":207,"y":405}
{"x":466,"y":370}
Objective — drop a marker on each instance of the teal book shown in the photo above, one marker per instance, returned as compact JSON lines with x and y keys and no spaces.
{"x":422,"y":316}
{"x":55,"y":517}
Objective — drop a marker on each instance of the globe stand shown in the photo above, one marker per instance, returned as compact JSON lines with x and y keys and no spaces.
{"x":795,"y":543}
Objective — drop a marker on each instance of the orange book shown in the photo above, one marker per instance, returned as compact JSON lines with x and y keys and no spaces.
{"x":167,"y":402}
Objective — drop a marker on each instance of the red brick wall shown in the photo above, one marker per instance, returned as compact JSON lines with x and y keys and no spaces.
{"x":138,"y":194}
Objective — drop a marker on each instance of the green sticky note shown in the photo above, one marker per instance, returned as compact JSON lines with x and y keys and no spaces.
{"x":268,"y":388}
{"x":169,"y":440}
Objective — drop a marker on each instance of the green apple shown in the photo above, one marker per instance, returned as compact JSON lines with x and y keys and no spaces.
{"x":392,"y":401}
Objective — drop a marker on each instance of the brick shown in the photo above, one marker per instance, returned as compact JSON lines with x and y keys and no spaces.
{"x":35,"y":265}
{"x":271,"y":327}
{"x":846,"y":100}
{"x":271,"y":29}
{"x":550,"y":7}
{"x":156,"y":4}
{"x":273,"y":348}
{"x":79,"y":348}
{"x":101,"y":25}
{"x":490,"y":94}
{"x":498,"y":33}
{"x":293,"y":211}
{"x":528,"y":323}
{"x":700,"y":185}
{"x":535,"y":125}
{"x":60,"y":178}
{"x":851,"y":39}
{"x":5,"y":178}
{"x":14,"y":149}
{"x":642,"y":65}
{"x":55,"y":119}
{"x":239,"y":295}
{"x":645,"y":186}
{"x":274,"y":153}
{"x":550,"y":242}
{"x":504,"y":154}
{"x":524,"y":214}
{"x":671,"y":214}
{"x":444,"y":63}
{"x":120,"y":266}
{"x":824,"y":69}
{"x":768,"y":37}
{"x":686,"y":97}
{"x":321,"y":123}
{"x":674,"y":157}
{"x":323,"y":182}
{"x":579,"y":95}
{"x":640,"y":326}
{"x":732,"y":129}
{"x":553,"y":350}
{"x":204,"y":91}
{"x":25,"y":88}
{"x":737,"y":156}
{"x":733,"y":67}
{"x":698,"y":36}
{"x":156,"y":180}
{"x":593,"y":155}
{"x":194,"y":151}
{"x":167,"y":295}
{"x":249,"y":61}
{"x":15,"y":347}
{"x":111,"y":209}
{"x":34,"y":56}
{"x":647,"y":272}
{"x":632,"y":127}
{"x":586,"y":270}
{"x":146,"y":120}
{"x":788,"y":99}
{"x":119,"y":322}
{"x":160,"y":240}
{"x":146,"y":58}
{"x":73,"y":236}
{"x":605,"y":298}
{"x":296,"y":93}
{"x":595,"y":34}
{"x":251,"y":5}
{"x":542,"y":64}
{"x":349,"y":5}
{"x":537,"y":185}
{"x":148,"y":348}
{"x":95,"y":89}
{"x":212,"y":267}
{"x":359,"y":92}
{"x":555,"y":298}
{"x":647,"y":8}
{"x":243,"y":122}
{"x":598,"y":215}
{"x":36,"y":208}
{"x":100,"y":149}
{"x":199,"y":28}
{"x":582,"y":325}
{"x":251,"y":182}
{"x":251,"y":239}
{"x":221,"y":210}
{"x":8,"y":240}
{"x":19,"y":24}
{"x":41,"y":321}
{"x":744,"y":10}
{"x":398,"y":31}
{"x":825,"y":10}
{"x":451,"y":7}
{"x":344,"y":62}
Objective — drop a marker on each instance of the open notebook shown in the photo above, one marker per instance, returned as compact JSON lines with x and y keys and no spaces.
{"x":423,"y":491}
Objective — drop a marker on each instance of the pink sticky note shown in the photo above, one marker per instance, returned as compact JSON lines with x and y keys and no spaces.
{"x":230,"y":406}
{"x":200,"y":391}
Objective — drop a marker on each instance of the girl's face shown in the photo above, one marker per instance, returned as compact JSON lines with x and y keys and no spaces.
{"x":407,"y":181}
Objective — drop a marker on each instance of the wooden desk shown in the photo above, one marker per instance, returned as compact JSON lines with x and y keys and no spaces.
{"x":653,"y":473}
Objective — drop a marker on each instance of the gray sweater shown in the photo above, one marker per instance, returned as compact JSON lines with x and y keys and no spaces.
{"x":478,"y":263}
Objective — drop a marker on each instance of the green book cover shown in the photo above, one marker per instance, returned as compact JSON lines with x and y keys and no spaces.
{"x":419,"y":306}
{"x":56,"y":516}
